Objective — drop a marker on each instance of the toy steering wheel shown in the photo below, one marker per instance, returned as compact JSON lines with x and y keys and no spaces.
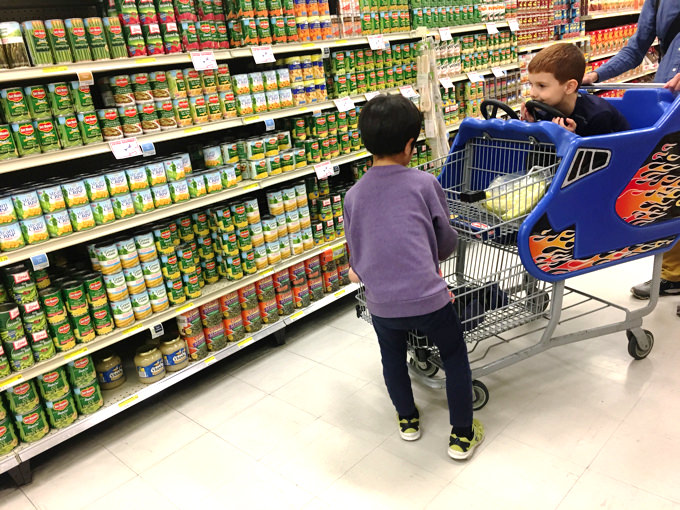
{"x":535,"y":106}
{"x":489,"y":108}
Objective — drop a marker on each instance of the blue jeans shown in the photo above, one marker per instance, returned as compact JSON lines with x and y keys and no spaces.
{"x":443,"y":328}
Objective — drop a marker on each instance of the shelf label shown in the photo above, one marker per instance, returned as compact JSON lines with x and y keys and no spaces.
{"x":308,"y":45}
{"x":148,"y":149}
{"x":376,"y":42}
{"x":85,"y":78}
{"x":263,"y":54}
{"x":296,"y":316}
{"x":474,"y":77}
{"x":344,"y":104}
{"x":203,"y":60}
{"x":247,"y":341}
{"x":194,"y":129}
{"x":157,"y":330}
{"x":77,"y":354}
{"x":251,"y":119}
{"x":446,"y":82}
{"x":4,"y":258}
{"x":266,"y":272}
{"x":445,"y":34}
{"x":40,"y":261}
{"x":498,"y":72}
{"x":12,"y":381}
{"x":325,"y":52}
{"x":128,"y":401}
{"x":408,"y":91}
{"x":371,"y":95}
{"x":323,"y":170}
{"x":126,"y":148}
{"x":58,"y":69}
{"x":491,"y":28}
{"x":513,"y":24}
{"x":132,"y":329}
{"x":185,"y":307}
{"x":340,"y":293}
{"x":269,"y":124}
{"x":303,"y":109}
{"x":251,"y":187}
{"x":210,"y":360}
{"x":142,"y":61}
{"x":362,"y":154}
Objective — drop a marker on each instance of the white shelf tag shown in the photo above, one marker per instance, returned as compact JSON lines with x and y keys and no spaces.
{"x":203,"y":60}
{"x":371,"y":95}
{"x":269,"y":124}
{"x":263,"y":54}
{"x":498,"y":72}
{"x":429,"y":128}
{"x":408,"y":91}
{"x":125,"y":148}
{"x":376,"y":42}
{"x":513,"y":24}
{"x":40,"y":261}
{"x":446,"y":82}
{"x":491,"y":28}
{"x":344,"y":104}
{"x":474,"y":77}
{"x":85,"y":78}
{"x":148,"y":149}
{"x":325,"y":52}
{"x":324,"y":170}
{"x":445,"y":34}
{"x":157,"y":330}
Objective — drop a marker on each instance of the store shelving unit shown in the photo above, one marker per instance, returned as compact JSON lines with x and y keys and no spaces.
{"x":613,"y":14}
{"x":539,"y":46}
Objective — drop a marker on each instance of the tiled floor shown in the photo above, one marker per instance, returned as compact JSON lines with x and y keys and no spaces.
{"x":310,"y":426}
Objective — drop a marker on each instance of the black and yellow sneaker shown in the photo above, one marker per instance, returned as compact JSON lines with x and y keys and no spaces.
{"x":409,"y":427}
{"x":461,"y":448}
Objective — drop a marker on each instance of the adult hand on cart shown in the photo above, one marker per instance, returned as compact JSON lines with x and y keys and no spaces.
{"x":590,"y":78}
{"x":353,"y":277}
{"x":674,"y":83}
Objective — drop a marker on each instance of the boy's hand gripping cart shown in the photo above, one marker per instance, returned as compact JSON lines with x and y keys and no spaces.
{"x":533,"y":205}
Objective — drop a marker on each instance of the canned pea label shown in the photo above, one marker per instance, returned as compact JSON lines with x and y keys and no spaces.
{"x":8,"y":439}
{"x":32,"y":425}
{"x":22,"y":397}
{"x":62,"y":412}
{"x":81,"y":371}
{"x":53,"y":304}
{"x":75,"y":298}
{"x":89,"y":398}
{"x":53,"y":385}
{"x":62,"y":336}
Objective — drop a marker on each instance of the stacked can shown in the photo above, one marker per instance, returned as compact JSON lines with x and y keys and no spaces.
{"x":314,"y":279}
{"x":307,"y":78}
{"x":230,"y":307}
{"x":262,"y":91}
{"x":329,"y":272}
{"x":23,"y":401}
{"x":326,"y":207}
{"x":213,"y":326}
{"x":343,"y":267}
{"x":250,"y":309}
{"x":191,"y":329}
{"x":284,"y":292}
{"x":8,"y":437}
{"x":299,"y":286}
{"x":388,"y":17}
{"x":266,"y":299}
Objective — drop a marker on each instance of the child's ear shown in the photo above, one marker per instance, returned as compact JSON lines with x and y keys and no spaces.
{"x":571,"y":86}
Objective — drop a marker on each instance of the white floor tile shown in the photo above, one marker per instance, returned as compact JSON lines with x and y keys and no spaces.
{"x":321,"y":343}
{"x":14,"y":499}
{"x":360,"y":359}
{"x":455,"y":496}
{"x":135,"y":494}
{"x":264,"y":426}
{"x":272,"y":371}
{"x":384,"y":481}
{"x":595,"y":490}
{"x":76,"y":475}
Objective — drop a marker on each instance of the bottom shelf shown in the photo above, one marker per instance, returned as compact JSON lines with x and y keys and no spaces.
{"x":133,"y":392}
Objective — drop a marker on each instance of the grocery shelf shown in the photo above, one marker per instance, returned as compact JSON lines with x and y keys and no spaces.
{"x":464,"y":76}
{"x":17,"y":164}
{"x":133,"y":392}
{"x":613,"y":14}
{"x":209,"y":293}
{"x":539,"y":46}
{"x":612,"y":53}
{"x":639,"y":75}
{"x":7,"y":258}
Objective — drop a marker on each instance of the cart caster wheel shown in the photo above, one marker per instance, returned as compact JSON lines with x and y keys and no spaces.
{"x":480,"y":395}
{"x":634,"y":348}
{"x":425,"y":368}
{"x":539,"y":303}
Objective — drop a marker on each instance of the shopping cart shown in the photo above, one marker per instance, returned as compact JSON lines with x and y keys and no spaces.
{"x":533,"y":205}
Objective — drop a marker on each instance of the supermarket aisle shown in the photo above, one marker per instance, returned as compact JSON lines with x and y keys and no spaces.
{"x":310,"y":426}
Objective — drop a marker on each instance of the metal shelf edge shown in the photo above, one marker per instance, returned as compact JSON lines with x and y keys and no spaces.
{"x":464,"y":76}
{"x":9,"y":461}
{"x":539,"y":46}
{"x":614,"y":14}
{"x":317,"y":305}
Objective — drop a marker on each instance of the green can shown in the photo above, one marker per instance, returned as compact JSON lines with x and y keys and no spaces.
{"x":81,"y":97}
{"x":8,"y":439}
{"x":175,"y":291}
{"x":95,"y":290}
{"x":32,"y":426}
{"x":35,"y":319}
{"x":53,"y":304}
{"x":62,"y":336}
{"x":61,"y":412}
{"x":48,"y":138}
{"x":14,"y":105}
{"x":8,"y":149}
{"x":88,"y":124}
{"x":25,"y":138}
{"x":11,"y":327}
{"x":163,"y":239}
{"x":248,"y":262}
{"x":83,"y":328}
{"x":53,"y":385}
{"x":38,"y":104}
{"x":81,"y":371}
{"x":185,"y":228}
{"x":41,"y":345}
{"x":185,"y":258}
{"x":192,"y":286}
{"x":200,"y":223}
{"x":88,"y":398}
{"x":22,"y":397}
{"x":102,"y":319}
{"x":75,"y":298}
{"x":59,"y":97}
{"x":312,"y":151}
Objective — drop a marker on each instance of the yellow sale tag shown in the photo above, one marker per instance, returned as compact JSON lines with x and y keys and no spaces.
{"x":76,"y":354}
{"x":297,"y":315}
{"x":254,"y":118}
{"x":149,"y":60}
{"x":267,"y":272}
{"x":132,"y":329}
{"x":308,"y":45}
{"x":194,"y":129}
{"x":210,"y":360}
{"x":185,"y":307}
{"x":245,"y":342}
{"x":128,"y":401}
{"x":251,"y":187}
{"x":12,"y":381}
{"x":3,"y":258}
{"x":58,"y":69}
{"x":340,"y":293}
{"x":303,"y":109}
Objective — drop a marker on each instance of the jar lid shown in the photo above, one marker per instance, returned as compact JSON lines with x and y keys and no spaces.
{"x":147,"y":349}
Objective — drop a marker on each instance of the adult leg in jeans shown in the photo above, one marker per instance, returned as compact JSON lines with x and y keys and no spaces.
{"x":443,"y":328}
{"x":392,"y":343}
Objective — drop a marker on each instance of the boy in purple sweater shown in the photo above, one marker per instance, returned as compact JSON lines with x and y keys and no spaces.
{"x":397,"y":229}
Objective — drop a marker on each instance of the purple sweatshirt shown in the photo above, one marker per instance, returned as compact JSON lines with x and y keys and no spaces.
{"x":397,"y":228}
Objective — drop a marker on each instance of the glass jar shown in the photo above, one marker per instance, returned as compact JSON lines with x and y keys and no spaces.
{"x":149,"y":364}
{"x":109,"y":369}
{"x":174,"y":351}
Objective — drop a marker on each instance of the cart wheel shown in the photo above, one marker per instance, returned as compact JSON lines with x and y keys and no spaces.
{"x":480,"y":395}
{"x":539,"y":303}
{"x":425,"y":368}
{"x":634,"y":348}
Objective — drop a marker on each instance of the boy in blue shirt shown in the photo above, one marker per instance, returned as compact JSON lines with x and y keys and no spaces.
{"x":555,"y":74}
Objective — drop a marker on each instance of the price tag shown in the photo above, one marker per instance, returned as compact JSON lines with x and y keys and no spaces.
{"x":148,"y":149}
{"x":203,"y":60}
{"x":210,"y":360}
{"x":408,"y":91}
{"x":250,"y":120}
{"x":296,"y":316}
{"x":325,"y":52}
{"x":194,"y":129}
{"x":445,"y":34}
{"x":157,"y":330}
{"x":513,"y":24}
{"x":79,"y":353}
{"x":4,"y":258}
{"x":251,"y":187}
{"x":336,"y":170}
{"x":59,"y":69}
{"x":324,"y":170}
{"x":344,"y":104}
{"x":142,"y":61}
{"x":269,"y":124}
{"x":340,"y":293}
{"x":263,"y":54}
{"x":446,"y":83}
{"x":126,"y":148}
{"x":498,"y":72}
{"x":491,"y":28}
{"x":11,"y":382}
{"x":245,"y":342}
{"x":371,"y":95}
{"x":128,"y":401}
{"x":40,"y":261}
{"x":474,"y":77}
{"x":376,"y":42}
{"x":185,"y":307}
{"x":316,"y":113}
{"x":133,"y":329}
{"x":85,"y":78}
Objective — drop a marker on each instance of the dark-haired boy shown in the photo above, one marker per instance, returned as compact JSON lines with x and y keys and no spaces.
{"x":397,"y":228}
{"x":555,"y":75}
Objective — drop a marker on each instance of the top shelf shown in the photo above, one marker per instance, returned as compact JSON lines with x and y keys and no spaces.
{"x":539,"y":46}
{"x":614,"y":14}
{"x":141,"y":63}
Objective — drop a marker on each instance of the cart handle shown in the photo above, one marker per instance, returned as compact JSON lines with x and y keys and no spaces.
{"x":622,"y":86}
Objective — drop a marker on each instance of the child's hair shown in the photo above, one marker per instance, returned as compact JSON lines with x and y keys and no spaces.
{"x":387,"y":123}
{"x":563,"y":60}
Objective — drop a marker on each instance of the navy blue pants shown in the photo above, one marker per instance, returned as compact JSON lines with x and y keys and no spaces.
{"x":443,"y":328}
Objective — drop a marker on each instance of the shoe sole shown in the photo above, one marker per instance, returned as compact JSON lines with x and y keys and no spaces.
{"x":464,"y":455}
{"x":409,"y":436}
{"x":661,"y":294}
